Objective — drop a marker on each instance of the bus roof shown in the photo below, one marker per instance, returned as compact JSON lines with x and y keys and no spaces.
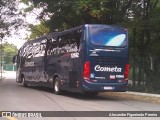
{"x":51,"y":35}
{"x":54,"y":34}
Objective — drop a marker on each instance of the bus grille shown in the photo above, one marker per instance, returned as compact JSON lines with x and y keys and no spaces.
{"x":103,"y":60}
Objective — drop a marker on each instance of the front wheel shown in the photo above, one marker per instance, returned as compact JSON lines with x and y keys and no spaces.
{"x":24,"y":83}
{"x":57,"y":86}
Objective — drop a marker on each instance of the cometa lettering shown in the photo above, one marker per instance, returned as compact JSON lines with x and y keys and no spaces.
{"x":107,"y":69}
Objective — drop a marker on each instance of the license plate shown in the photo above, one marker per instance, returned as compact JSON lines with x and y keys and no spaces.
{"x":108,"y":88}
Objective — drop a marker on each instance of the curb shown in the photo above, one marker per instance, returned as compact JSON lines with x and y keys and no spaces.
{"x":154,"y":98}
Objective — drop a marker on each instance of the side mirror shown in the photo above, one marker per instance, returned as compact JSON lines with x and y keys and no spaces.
{"x":14,"y":59}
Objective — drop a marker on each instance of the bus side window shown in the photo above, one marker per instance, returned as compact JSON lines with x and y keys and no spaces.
{"x":39,"y":49}
{"x":62,"y":44}
{"x":28,"y":52}
{"x":75,"y":41}
{"x":14,"y":59}
{"x":78,"y":37}
{"x":52,"y":45}
{"x":42,"y":48}
{"x":36,"y":49}
{"x":24,"y":52}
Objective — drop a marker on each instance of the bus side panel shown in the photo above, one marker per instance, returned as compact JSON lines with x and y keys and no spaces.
{"x":38,"y":73}
{"x":66,"y":68}
{"x":75,"y":72}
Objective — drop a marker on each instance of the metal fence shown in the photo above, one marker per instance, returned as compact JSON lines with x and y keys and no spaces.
{"x":9,"y":67}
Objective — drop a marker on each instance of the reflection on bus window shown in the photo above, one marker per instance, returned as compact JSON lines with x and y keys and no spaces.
{"x":107,"y":37}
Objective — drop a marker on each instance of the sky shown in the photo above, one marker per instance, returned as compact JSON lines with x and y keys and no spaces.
{"x":20,"y":38}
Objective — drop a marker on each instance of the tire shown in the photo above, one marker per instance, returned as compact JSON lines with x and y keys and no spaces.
{"x":23,"y":82}
{"x":57,"y":86}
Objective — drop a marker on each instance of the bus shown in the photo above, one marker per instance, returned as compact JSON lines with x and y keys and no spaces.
{"x":90,"y":58}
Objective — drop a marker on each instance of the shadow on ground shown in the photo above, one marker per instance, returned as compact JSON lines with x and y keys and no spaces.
{"x":76,"y":95}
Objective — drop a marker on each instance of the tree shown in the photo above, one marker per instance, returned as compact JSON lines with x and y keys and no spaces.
{"x":64,"y":14}
{"x":9,"y":50}
{"x":144,"y":32}
{"x":10,"y":17}
{"x":38,"y":30}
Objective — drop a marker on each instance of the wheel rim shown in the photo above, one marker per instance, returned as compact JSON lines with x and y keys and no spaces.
{"x":56,"y":87}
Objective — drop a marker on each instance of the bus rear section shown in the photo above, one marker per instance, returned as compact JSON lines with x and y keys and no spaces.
{"x":106,"y":65}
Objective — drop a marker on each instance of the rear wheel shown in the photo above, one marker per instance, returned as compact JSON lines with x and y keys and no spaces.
{"x":57,"y":86}
{"x":24,"y":82}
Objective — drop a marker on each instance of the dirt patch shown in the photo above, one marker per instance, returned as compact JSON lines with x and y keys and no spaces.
{"x":128,"y":95}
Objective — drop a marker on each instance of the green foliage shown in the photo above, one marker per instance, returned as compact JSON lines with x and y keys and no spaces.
{"x":38,"y":30}
{"x":64,"y":14}
{"x":9,"y":50}
{"x":25,"y":2}
{"x":144,"y":37}
{"x":10,"y":17}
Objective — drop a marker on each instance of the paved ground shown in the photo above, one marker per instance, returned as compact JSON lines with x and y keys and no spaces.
{"x":15,"y":97}
{"x":8,"y":75}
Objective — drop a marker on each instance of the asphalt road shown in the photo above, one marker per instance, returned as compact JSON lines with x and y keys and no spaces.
{"x":15,"y":97}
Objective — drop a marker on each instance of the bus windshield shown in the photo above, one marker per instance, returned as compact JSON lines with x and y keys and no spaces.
{"x":108,"y":36}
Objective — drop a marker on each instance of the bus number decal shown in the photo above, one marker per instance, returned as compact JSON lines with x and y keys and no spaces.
{"x":29,"y":64}
{"x":74,"y":55}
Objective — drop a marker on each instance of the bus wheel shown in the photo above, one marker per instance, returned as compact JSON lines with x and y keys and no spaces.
{"x":57,"y":90}
{"x":24,"y":83}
